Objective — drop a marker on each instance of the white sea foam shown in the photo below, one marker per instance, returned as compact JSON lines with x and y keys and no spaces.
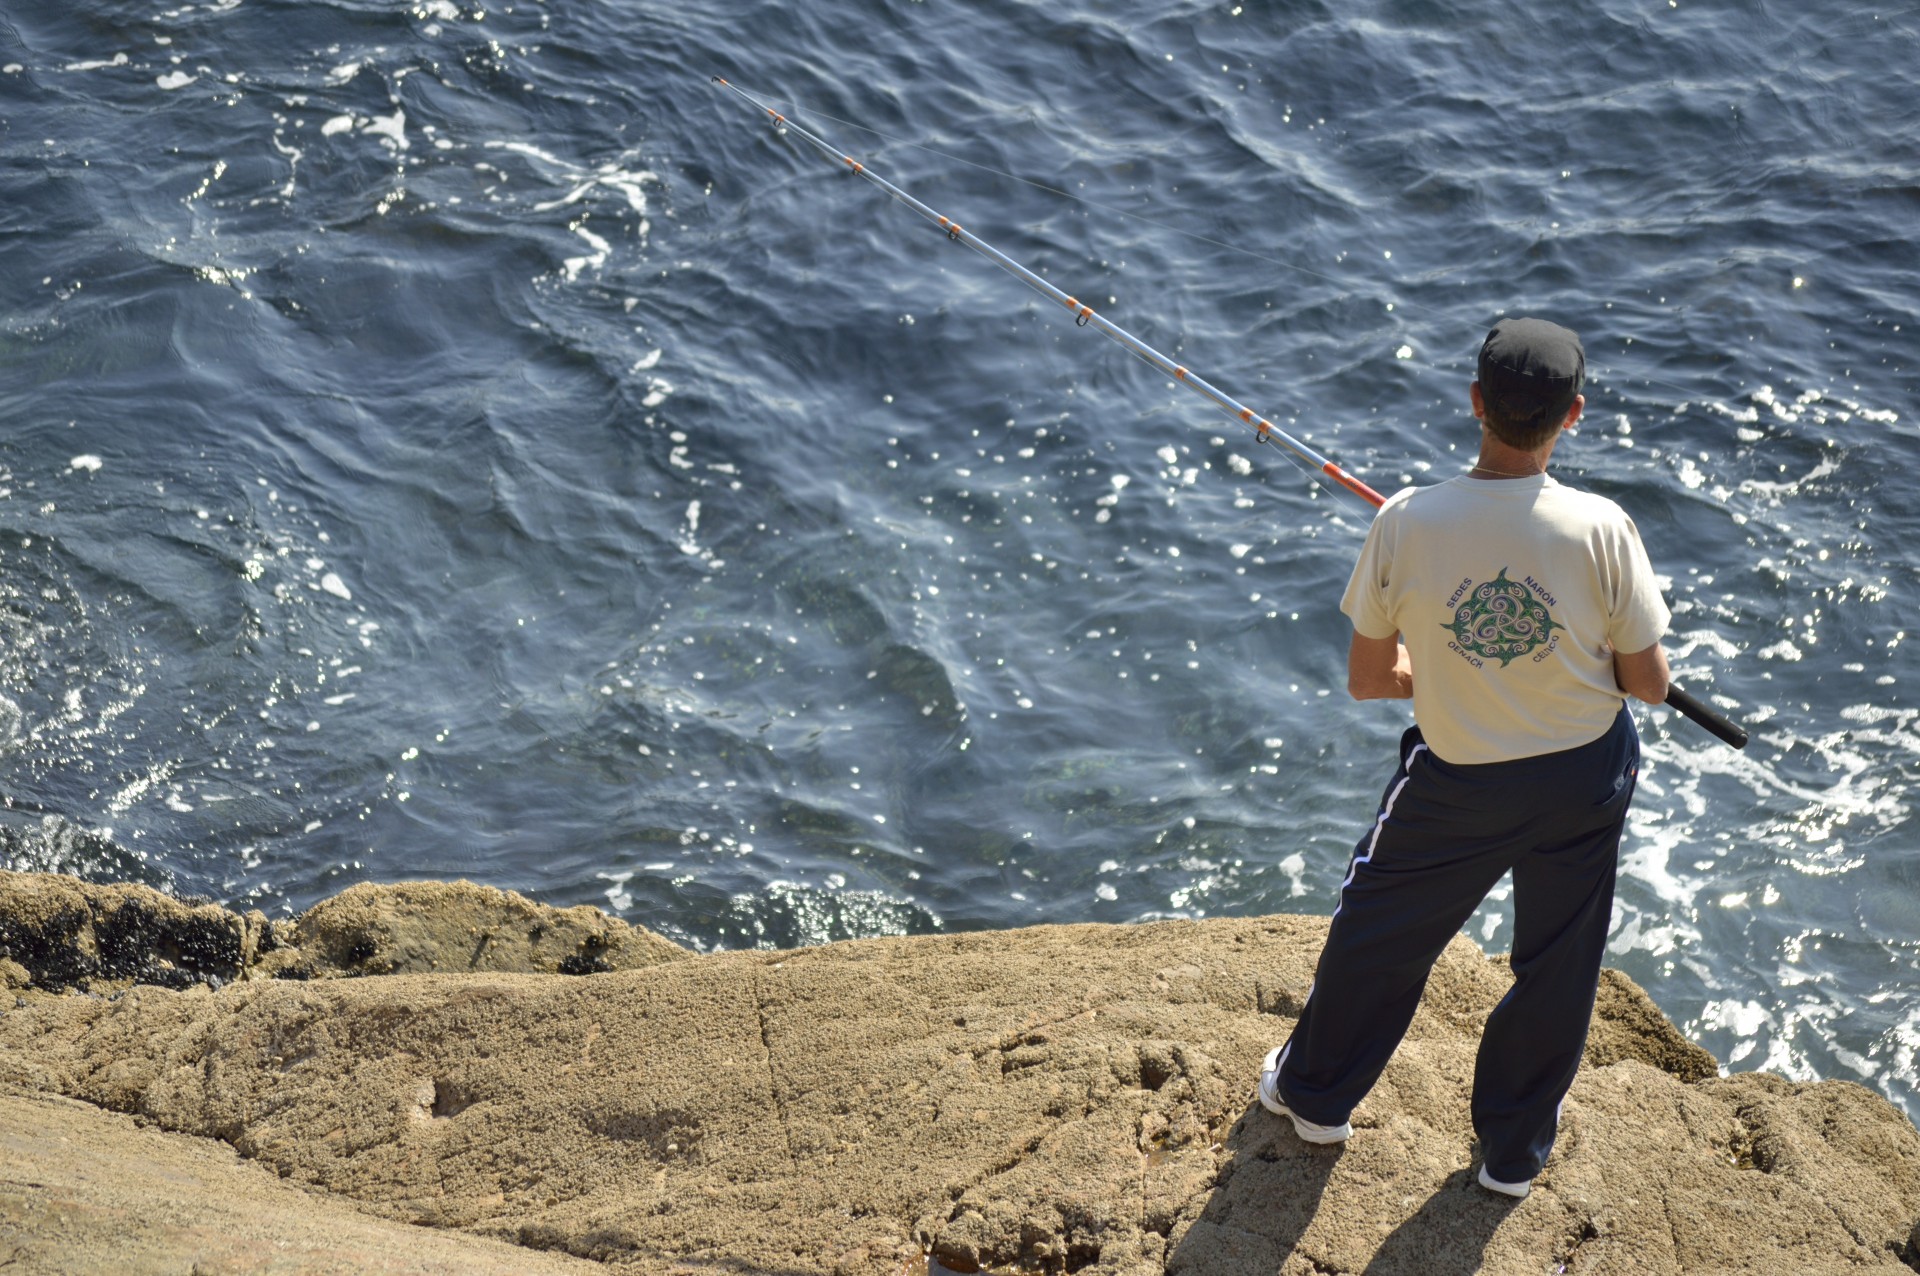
{"x":582,"y":182}
{"x":1816,"y":407}
{"x":601,"y":248}
{"x":525,"y":148}
{"x":293,"y":154}
{"x":389,"y":128}
{"x":690,"y":545}
{"x":1681,"y":646}
{"x":572,"y":197}
{"x":1742,"y":1018}
{"x":617,"y":894}
{"x":233,"y":277}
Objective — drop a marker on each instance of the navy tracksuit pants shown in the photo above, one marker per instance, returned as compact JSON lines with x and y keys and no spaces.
{"x":1443,"y":837}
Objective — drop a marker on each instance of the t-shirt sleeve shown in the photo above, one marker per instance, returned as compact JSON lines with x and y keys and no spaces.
{"x":1365,"y":601}
{"x":1639,"y":615}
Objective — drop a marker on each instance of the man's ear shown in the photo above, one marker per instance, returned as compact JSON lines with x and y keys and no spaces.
{"x":1573,"y":413}
{"x":1479,"y":402}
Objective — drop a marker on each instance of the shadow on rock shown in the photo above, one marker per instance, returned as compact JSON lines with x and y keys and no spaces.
{"x":1267,"y":1193}
{"x":1448,"y":1235}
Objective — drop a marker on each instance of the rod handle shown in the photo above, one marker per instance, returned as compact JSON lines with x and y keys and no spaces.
{"x":1707,"y":716}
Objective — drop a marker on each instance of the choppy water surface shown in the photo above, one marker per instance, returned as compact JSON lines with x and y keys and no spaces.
{"x":454,"y":439}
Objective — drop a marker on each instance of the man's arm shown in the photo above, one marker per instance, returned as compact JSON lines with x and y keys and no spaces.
{"x":1642,"y":674}
{"x":1379,"y":669}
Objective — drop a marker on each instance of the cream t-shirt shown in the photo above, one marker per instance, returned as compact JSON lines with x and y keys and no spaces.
{"x":1507,"y":593}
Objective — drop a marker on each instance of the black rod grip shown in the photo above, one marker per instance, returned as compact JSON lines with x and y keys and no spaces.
{"x":1707,"y":716}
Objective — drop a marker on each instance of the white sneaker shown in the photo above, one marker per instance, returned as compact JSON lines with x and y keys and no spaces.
{"x":1493,"y":1184}
{"x":1307,"y":1130}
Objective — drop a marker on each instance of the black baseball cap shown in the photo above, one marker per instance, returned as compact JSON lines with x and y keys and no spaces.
{"x":1531,"y":361}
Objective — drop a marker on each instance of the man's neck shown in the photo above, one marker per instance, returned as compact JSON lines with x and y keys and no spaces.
{"x":1500,"y":461}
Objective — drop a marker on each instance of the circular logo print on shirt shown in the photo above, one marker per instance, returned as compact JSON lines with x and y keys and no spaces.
{"x":1501,"y":620}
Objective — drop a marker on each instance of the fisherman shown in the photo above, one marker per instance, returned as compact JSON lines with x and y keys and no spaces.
{"x":1531,"y":612}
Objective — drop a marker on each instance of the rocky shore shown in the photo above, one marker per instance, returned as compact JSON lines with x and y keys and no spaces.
{"x":442,"y":1077}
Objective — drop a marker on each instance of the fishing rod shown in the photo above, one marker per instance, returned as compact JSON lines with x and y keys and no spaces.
{"x":1085,"y":316}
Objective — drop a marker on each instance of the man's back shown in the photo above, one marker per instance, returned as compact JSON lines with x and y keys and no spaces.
{"x":1510,"y":595}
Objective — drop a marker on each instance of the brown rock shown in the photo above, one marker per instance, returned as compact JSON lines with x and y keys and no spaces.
{"x":423,"y":927}
{"x":109,"y":1197}
{"x":1053,"y":1099}
{"x":58,"y":933}
{"x":66,"y":933}
{"x":1627,"y":1025}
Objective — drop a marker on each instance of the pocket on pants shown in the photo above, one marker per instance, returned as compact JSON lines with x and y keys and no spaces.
{"x":1622,"y":792}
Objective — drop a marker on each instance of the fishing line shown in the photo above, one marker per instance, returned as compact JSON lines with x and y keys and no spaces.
{"x":1094,"y":203}
{"x":1085,"y":316}
{"x":1089,"y":202}
{"x":1396,"y":305}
